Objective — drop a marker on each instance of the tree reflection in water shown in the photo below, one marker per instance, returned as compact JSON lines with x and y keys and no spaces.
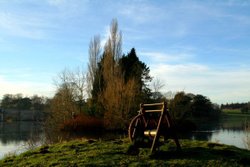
{"x":20,"y":136}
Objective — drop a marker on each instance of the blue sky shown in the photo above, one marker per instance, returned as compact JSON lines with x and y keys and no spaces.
{"x":201,"y":47}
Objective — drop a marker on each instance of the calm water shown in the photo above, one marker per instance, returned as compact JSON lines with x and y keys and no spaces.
{"x":15,"y":136}
{"x":228,"y":130}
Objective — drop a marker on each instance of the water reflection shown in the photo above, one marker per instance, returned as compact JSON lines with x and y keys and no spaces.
{"x":230,"y":137}
{"x":15,"y":135}
{"x":223,"y":136}
{"x":18,"y":131}
{"x":227,"y":130}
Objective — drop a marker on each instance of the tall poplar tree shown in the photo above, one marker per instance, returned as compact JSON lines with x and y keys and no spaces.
{"x":120,"y":82}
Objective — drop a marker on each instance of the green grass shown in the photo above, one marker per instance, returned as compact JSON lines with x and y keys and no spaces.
{"x":232,"y":111}
{"x":114,"y":153}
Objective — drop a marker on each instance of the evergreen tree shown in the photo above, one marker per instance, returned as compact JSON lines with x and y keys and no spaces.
{"x":133,"y":68}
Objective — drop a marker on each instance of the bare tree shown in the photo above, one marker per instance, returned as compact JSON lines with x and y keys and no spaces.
{"x":114,"y":44}
{"x":79,"y":87}
{"x":73,"y":81}
{"x":157,"y":86}
{"x":94,"y":58}
{"x":69,"y":97}
{"x":112,"y":51}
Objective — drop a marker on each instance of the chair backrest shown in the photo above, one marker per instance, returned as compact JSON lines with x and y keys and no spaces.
{"x":162,"y":117}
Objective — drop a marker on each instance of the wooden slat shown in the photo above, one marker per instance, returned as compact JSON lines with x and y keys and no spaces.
{"x":157,"y":135}
{"x":153,"y":110}
{"x":153,"y":104}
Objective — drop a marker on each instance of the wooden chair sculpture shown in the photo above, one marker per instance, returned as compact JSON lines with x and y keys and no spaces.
{"x":152,"y":121}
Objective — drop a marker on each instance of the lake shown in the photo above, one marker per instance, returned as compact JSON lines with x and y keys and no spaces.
{"x":15,"y":136}
{"x":230,"y":130}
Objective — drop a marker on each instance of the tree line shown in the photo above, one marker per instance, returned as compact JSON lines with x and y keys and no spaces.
{"x":234,"y":105}
{"x":243,"y":107}
{"x":187,"y":105}
{"x":19,"y":102}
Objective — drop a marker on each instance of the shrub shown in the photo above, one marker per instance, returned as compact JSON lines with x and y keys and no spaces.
{"x":82,"y":122}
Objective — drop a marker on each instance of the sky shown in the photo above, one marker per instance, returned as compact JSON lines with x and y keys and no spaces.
{"x":200,"y":47}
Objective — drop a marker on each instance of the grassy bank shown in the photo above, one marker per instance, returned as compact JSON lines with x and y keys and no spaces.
{"x":234,"y":112}
{"x":234,"y":118}
{"x":113,"y":153}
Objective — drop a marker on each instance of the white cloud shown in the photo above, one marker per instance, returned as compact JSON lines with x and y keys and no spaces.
{"x":21,"y":25}
{"x":140,"y":12}
{"x":183,"y":18}
{"x":220,"y":86}
{"x":69,"y":8}
{"x":25,"y":87}
{"x":166,"y":57}
{"x":195,"y":13}
{"x":40,"y":21}
{"x":25,"y":81}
